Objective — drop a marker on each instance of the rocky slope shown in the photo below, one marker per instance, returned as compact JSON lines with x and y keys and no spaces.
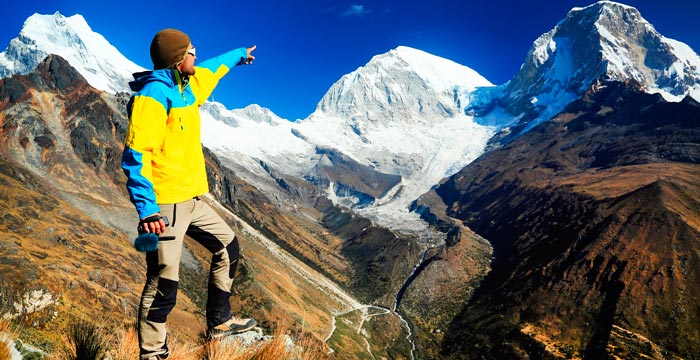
{"x":62,"y":130}
{"x":67,"y":223}
{"x":598,"y":207}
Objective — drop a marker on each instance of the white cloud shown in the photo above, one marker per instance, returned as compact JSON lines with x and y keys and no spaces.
{"x":356,"y":10}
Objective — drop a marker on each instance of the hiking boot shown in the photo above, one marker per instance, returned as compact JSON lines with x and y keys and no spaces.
{"x":161,"y":356}
{"x":233,"y":325}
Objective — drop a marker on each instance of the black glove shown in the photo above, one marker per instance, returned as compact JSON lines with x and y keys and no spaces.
{"x":150,"y":219}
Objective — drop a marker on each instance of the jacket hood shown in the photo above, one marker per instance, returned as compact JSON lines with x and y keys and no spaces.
{"x":166,"y":76}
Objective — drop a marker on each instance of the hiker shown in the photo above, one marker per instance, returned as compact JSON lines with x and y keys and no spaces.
{"x":166,"y":178}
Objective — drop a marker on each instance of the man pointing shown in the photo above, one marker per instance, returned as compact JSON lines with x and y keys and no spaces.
{"x":166,"y":177}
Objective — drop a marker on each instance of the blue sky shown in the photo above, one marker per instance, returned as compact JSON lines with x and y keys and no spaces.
{"x":306,"y":46}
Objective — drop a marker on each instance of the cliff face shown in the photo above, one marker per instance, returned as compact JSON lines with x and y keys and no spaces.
{"x":64,"y":131}
{"x":594,"y":221}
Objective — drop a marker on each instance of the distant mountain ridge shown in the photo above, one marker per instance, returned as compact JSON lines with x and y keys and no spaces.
{"x":385,"y":115}
{"x":100,"y":63}
{"x":605,"y":41}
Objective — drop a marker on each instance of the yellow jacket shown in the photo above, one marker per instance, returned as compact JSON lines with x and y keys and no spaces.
{"x":163,"y":158}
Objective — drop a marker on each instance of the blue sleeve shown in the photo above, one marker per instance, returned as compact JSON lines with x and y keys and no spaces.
{"x":229,"y":59}
{"x":209,"y":72}
{"x":140,"y":188}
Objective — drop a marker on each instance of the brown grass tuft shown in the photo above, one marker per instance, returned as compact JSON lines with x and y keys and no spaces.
{"x":4,"y":349}
{"x":275,"y":348}
{"x":84,"y":340}
{"x":126,"y":346}
{"x":6,"y":333}
{"x":310,"y":348}
{"x":183,"y":350}
{"x":224,"y":349}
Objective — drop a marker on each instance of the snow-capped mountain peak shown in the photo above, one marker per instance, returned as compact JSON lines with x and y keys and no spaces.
{"x":100,"y":63}
{"x":404,"y":83}
{"x":601,"y":42}
{"x":442,"y":74}
{"x":631,"y":48}
{"x":400,"y":114}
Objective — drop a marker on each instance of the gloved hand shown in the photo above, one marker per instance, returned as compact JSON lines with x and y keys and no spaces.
{"x":149,"y":228}
{"x":153,"y":224}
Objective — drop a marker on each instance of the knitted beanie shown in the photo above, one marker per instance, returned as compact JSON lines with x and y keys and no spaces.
{"x":169,"y":47}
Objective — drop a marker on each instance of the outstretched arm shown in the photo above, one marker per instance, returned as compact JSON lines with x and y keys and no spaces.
{"x":210,"y":71}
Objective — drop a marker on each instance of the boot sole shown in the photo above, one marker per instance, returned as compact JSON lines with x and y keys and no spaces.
{"x":230,"y":332}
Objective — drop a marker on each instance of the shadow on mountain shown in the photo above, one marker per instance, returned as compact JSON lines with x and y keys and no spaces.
{"x":594,"y":221}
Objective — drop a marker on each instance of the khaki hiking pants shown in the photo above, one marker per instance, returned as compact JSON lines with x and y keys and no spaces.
{"x":196,"y":219}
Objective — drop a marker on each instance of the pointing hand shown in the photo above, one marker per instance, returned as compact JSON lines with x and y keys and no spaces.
{"x":249,"y":59}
